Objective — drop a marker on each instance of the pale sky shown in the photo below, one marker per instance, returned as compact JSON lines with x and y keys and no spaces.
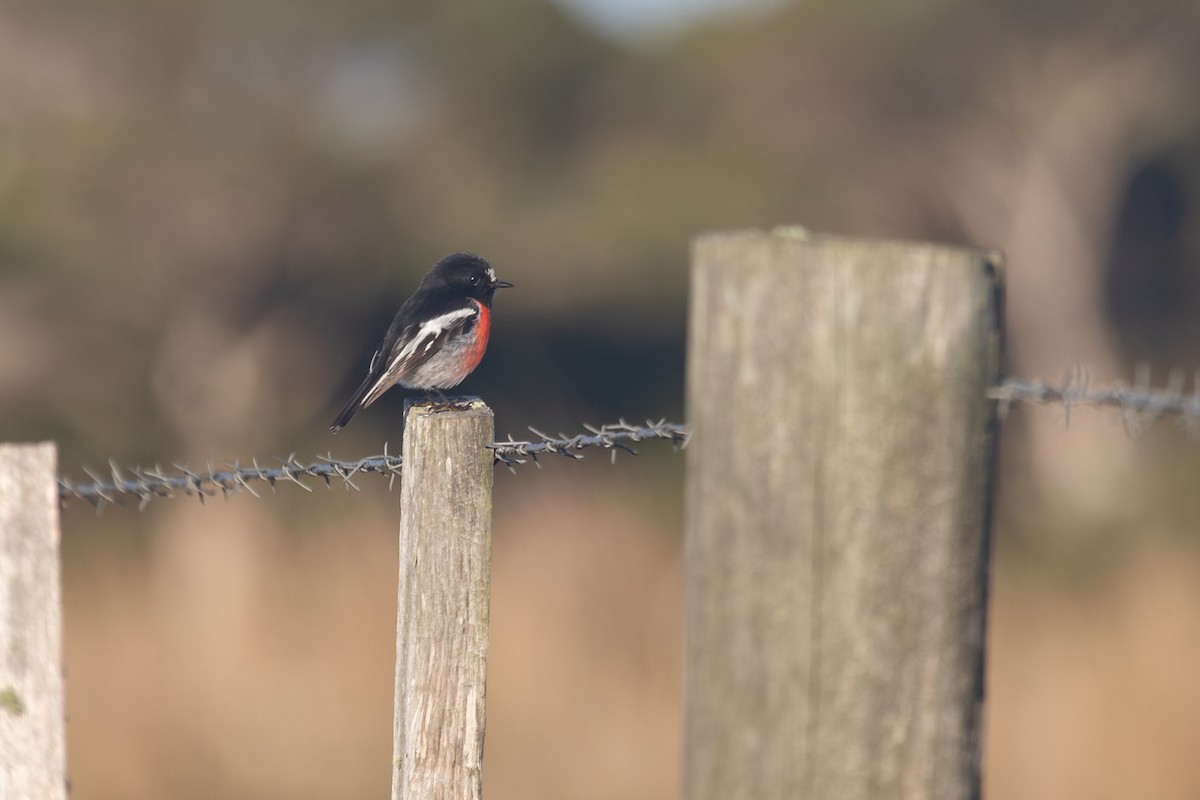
{"x":640,"y":19}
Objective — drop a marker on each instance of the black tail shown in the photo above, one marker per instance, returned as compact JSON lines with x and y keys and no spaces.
{"x":356,"y":402}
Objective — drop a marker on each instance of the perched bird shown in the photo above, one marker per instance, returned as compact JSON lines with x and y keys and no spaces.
{"x":438,"y":335}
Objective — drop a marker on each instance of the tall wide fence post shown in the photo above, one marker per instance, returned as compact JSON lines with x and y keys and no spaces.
{"x":32,"y":747}
{"x":442,"y":624}
{"x":837,"y":525}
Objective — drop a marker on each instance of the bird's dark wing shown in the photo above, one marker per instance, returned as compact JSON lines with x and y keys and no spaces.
{"x":405,"y":348}
{"x":415,"y":346}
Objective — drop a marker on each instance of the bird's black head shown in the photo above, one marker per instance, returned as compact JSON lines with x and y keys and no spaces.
{"x":466,"y":274}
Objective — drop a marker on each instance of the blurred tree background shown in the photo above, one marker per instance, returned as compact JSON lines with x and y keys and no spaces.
{"x":210,"y":209}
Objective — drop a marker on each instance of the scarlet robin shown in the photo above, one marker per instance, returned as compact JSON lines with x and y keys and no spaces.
{"x":438,"y":336}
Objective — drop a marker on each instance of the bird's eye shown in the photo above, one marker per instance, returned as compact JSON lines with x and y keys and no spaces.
{"x":474,"y":279}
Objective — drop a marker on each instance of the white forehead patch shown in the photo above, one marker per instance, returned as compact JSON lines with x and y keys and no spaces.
{"x":491,"y":275}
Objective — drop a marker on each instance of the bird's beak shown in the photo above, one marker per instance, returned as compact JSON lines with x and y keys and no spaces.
{"x":501,"y":285}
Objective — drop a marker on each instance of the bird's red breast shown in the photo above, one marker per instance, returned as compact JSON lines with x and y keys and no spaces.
{"x":482,"y":329}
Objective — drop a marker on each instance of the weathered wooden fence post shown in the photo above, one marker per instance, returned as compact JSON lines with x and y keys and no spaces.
{"x":838,"y":498}
{"x":32,"y":747}
{"x":442,"y":627}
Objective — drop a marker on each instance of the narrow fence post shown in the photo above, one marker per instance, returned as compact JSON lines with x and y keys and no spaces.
{"x":442,"y":627}
{"x":32,"y":748}
{"x":838,"y":501}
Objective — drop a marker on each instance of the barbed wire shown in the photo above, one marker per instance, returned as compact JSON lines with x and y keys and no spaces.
{"x":612,"y":437}
{"x":233,"y":477}
{"x":148,"y":484}
{"x":1138,"y":404}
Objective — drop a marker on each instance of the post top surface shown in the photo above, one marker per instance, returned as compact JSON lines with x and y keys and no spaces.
{"x":461,"y":406}
{"x":785,"y":235}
